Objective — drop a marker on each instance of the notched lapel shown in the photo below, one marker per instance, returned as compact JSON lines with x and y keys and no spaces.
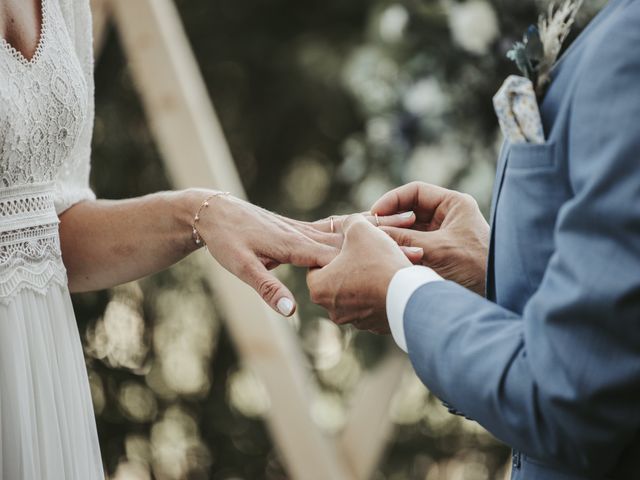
{"x":501,"y":166}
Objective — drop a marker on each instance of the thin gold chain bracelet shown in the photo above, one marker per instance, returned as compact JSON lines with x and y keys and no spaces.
{"x":197,"y":238}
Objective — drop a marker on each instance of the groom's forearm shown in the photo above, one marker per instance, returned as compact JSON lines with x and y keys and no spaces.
{"x":535,"y":384}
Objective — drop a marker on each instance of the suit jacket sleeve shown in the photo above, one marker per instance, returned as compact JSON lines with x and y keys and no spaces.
{"x":561,"y":382}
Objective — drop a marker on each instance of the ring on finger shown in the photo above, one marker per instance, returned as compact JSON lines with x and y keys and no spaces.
{"x":332,"y":223}
{"x":377,"y":219}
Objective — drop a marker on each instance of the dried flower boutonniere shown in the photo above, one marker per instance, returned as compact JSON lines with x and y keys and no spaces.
{"x":538,"y":52}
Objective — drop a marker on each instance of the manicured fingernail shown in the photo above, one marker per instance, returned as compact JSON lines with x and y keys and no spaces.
{"x":406,"y":215}
{"x":285,"y":306}
{"x":415,"y":250}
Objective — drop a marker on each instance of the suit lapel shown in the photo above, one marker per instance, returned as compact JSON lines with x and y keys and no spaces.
{"x":490,"y":290}
{"x":500,"y":168}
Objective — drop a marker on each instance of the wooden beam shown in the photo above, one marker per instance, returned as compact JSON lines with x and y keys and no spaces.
{"x":100,"y":13}
{"x":195,"y":152}
{"x":369,"y":424}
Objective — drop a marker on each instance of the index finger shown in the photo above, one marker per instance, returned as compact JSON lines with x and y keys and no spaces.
{"x":421,"y":197}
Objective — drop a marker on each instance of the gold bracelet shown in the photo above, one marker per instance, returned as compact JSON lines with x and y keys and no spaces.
{"x":197,"y":238}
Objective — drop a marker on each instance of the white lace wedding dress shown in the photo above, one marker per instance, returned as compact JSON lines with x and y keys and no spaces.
{"x":47,"y":425}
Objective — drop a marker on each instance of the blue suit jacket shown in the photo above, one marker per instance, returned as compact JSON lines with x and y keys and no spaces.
{"x":550,"y":361}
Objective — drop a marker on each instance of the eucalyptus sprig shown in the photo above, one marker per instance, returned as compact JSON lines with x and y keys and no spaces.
{"x":537,"y":53}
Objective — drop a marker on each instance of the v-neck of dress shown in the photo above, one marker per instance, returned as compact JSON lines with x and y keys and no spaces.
{"x":17,"y":54}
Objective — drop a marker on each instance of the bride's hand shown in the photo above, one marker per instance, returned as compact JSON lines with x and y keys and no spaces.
{"x":249,"y":242}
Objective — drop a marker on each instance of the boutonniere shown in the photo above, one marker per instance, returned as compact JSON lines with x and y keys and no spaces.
{"x":538,"y":51}
{"x":516,"y":103}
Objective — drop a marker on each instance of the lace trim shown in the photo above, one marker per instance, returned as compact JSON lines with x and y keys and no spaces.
{"x":24,"y":207}
{"x":17,"y":54}
{"x":38,"y":278}
{"x":30,"y":258}
{"x":30,"y":255}
{"x":32,"y":243}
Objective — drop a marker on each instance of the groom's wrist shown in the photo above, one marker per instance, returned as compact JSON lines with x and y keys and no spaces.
{"x":402,"y":286}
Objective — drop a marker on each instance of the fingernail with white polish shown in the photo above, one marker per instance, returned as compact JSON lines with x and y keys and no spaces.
{"x":406,"y":215}
{"x":285,"y":306}
{"x":415,"y":250}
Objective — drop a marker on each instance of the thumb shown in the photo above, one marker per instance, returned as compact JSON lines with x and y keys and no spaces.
{"x":414,"y":254}
{"x":405,"y":237}
{"x":272,"y":290}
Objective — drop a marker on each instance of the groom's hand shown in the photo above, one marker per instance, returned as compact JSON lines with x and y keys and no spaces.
{"x":353,"y":287}
{"x":449,"y":228}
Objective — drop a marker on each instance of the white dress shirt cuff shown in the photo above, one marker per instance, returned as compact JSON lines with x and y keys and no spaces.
{"x":403,"y":284}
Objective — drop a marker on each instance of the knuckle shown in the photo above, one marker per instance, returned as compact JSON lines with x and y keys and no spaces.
{"x":315,"y":295}
{"x":469,"y":200}
{"x":290,"y":245}
{"x":320,"y":297}
{"x":433,"y":256}
{"x":347,"y":222}
{"x":457,"y":195}
{"x":357,"y":229}
{"x":403,"y":240}
{"x":464,"y":198}
{"x":267,"y":288}
{"x":311,"y":280}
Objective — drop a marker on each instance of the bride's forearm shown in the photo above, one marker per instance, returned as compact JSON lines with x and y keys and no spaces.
{"x":109,"y":242}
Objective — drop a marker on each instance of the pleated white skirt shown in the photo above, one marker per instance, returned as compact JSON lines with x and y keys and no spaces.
{"x":47,"y":423}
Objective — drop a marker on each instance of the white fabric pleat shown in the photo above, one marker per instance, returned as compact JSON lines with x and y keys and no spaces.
{"x":47,"y":426}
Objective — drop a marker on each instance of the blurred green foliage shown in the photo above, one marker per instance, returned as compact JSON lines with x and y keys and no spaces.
{"x":326,"y":105}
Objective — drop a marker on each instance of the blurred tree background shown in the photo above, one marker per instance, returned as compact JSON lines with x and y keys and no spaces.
{"x":326,"y":105}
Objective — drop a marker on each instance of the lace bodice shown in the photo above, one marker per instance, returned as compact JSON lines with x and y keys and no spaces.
{"x":46,"y":120}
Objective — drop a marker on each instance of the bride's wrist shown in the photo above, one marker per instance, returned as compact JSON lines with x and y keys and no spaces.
{"x":194,"y":208}
{"x":185,"y":206}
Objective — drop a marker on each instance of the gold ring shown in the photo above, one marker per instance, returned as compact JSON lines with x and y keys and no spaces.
{"x":377,"y":219}
{"x":333,"y":227}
